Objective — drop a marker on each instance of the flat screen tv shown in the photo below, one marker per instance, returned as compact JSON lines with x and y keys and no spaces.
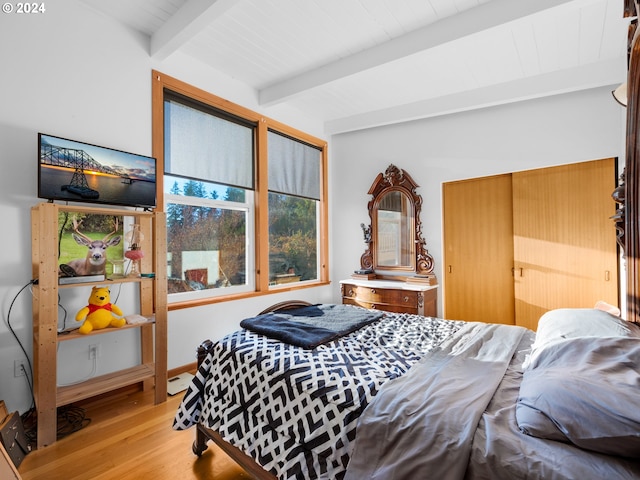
{"x":74,"y":171}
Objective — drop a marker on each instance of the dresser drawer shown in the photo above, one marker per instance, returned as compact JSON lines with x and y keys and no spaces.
{"x":380,"y":306}
{"x":387,"y":296}
{"x":384,"y":296}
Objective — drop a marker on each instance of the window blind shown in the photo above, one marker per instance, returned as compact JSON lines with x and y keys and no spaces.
{"x":294,"y":167}
{"x":205,"y":146}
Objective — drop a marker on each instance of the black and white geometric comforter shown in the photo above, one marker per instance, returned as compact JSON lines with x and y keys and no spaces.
{"x":294,"y":410}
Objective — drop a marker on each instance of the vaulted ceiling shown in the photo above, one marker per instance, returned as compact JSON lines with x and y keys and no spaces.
{"x":362,"y":63}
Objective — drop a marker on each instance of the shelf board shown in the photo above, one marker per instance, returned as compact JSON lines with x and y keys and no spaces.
{"x":104,"y":210}
{"x":104,"y":383}
{"x":74,"y":334}
{"x":108,"y":281}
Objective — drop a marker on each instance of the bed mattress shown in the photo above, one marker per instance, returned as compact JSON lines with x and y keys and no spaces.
{"x":295,"y":410}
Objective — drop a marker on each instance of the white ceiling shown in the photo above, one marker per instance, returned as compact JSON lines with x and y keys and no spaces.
{"x":362,"y":63}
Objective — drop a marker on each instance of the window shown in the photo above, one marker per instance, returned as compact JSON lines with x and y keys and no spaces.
{"x":209,"y":228}
{"x":244,"y":197}
{"x":294,"y":202}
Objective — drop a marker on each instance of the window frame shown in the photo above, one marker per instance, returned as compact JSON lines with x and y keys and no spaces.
{"x":160,"y":84}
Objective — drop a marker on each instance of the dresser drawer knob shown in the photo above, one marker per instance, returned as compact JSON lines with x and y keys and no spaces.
{"x":373,"y":290}
{"x":406,"y":299}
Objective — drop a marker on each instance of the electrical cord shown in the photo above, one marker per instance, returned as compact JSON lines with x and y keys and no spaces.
{"x":117,"y":295}
{"x":92,"y":374}
{"x":64,"y":317}
{"x":28,"y":374}
{"x":64,"y":224}
{"x":70,"y":418}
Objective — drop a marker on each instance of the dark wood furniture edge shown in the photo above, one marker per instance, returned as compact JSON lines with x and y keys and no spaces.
{"x":203,"y":434}
{"x":632,"y":169}
{"x":287,"y":304}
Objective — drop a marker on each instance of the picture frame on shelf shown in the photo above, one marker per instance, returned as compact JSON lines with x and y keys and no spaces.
{"x":91,"y":247}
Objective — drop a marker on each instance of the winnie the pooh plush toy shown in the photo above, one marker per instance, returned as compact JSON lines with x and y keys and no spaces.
{"x":100,"y":312}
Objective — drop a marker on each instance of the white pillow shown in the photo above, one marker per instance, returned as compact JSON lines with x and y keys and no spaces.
{"x":565,"y":323}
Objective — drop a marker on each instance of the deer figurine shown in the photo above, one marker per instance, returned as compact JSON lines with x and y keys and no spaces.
{"x":96,"y":260}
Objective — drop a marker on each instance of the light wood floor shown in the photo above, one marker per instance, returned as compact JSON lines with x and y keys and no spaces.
{"x":129,"y":438}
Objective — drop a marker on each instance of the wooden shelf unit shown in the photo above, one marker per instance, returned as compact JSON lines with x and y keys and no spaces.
{"x":152,"y":370}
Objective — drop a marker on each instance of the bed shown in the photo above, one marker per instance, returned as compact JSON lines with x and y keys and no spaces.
{"x":400,"y":396}
{"x":408,"y":397}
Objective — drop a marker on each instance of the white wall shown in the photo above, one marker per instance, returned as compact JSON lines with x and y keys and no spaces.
{"x":539,"y":133}
{"x":75,"y":73}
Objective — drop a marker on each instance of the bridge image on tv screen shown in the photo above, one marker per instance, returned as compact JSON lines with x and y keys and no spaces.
{"x":75,"y":171}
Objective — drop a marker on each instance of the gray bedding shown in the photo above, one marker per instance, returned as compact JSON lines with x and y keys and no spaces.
{"x":586,"y":392}
{"x":453,"y":416}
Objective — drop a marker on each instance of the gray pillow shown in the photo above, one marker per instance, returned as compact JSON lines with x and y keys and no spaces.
{"x":585,"y":391}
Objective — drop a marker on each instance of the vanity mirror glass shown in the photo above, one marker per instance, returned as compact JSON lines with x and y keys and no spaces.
{"x":394,"y":226}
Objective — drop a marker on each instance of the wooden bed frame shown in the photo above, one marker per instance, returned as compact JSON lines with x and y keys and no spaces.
{"x":631,"y":245}
{"x":204,"y":434}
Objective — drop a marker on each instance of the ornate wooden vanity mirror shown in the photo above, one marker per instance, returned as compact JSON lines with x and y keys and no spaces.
{"x":395,"y":246}
{"x":396,"y":270}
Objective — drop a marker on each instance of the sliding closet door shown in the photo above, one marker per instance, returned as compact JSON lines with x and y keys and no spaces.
{"x":478,"y":250}
{"x":564,"y":240}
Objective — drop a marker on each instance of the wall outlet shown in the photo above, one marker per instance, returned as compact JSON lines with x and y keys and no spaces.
{"x":94,"y":351}
{"x":19,"y":368}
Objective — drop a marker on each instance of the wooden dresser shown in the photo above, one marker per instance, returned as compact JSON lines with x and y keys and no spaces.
{"x":391,"y":296}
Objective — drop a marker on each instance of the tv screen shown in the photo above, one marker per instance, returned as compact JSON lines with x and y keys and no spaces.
{"x":74,"y":171}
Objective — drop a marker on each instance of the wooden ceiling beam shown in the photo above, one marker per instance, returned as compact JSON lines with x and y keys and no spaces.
{"x":484,"y":17}
{"x":192,"y":18}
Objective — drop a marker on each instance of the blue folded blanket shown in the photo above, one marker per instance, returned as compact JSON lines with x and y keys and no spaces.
{"x":308,"y":327}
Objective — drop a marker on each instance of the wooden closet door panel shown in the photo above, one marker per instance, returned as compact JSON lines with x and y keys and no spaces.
{"x":564,"y":240}
{"x":478,"y":250}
